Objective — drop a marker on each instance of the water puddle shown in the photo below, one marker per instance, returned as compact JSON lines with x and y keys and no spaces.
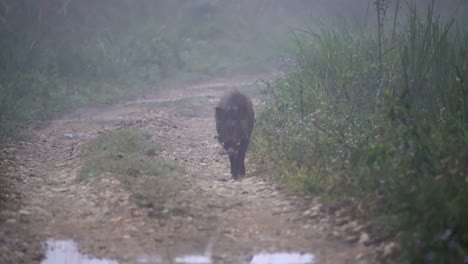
{"x":66,"y":252}
{"x":149,"y":258}
{"x":188,"y":259}
{"x":193,"y":260}
{"x":283,"y":257}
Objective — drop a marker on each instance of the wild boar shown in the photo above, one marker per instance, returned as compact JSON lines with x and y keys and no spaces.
{"x":234,"y":123}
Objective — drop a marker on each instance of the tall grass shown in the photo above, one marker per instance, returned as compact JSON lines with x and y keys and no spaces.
{"x":384,"y":132}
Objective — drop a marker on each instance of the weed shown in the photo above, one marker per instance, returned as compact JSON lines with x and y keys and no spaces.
{"x":132,"y":157}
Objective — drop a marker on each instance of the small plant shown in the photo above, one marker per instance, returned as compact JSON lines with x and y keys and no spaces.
{"x":131,"y":156}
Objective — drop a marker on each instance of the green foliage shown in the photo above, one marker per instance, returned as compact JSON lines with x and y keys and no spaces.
{"x":120,"y":152}
{"x":24,"y":98}
{"x":131,"y":156}
{"x":383,"y":131}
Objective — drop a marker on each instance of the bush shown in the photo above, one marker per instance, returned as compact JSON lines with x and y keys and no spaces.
{"x":24,"y":98}
{"x":382,"y":131}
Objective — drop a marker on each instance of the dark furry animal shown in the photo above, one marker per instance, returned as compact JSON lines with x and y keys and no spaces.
{"x":234,"y":123}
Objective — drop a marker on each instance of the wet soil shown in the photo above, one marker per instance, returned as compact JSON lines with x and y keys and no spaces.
{"x":215,"y":220}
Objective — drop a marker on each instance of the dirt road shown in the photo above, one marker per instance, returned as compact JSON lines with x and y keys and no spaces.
{"x":215,"y":220}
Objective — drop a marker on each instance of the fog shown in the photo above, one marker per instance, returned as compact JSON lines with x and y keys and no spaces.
{"x":79,"y":42}
{"x":60,"y":53}
{"x":121,"y":140}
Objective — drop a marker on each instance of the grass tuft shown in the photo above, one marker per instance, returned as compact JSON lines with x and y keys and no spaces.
{"x":132,"y":157}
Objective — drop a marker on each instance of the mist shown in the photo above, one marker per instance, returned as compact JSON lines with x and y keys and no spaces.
{"x":141,"y":45}
{"x":235,"y":131}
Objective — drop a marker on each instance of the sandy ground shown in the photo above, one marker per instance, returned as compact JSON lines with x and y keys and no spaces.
{"x":220,"y":220}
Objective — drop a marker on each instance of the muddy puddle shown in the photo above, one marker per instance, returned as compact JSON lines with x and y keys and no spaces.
{"x":193,"y":259}
{"x":66,"y":252}
{"x":282,"y":258}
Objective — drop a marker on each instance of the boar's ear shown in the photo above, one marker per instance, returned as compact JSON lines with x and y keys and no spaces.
{"x":219,"y":113}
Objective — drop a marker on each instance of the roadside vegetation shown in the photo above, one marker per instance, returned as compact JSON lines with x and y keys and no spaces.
{"x":132,"y":157}
{"x":378,"y":121}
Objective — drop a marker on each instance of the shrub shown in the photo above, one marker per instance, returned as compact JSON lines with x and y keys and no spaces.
{"x":384,"y":131}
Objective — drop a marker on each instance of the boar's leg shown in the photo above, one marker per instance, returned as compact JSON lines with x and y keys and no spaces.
{"x":234,"y":166}
{"x":241,"y":157}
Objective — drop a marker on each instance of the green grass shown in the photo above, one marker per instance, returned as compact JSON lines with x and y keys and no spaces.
{"x":132,"y":157}
{"x":395,"y":148}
